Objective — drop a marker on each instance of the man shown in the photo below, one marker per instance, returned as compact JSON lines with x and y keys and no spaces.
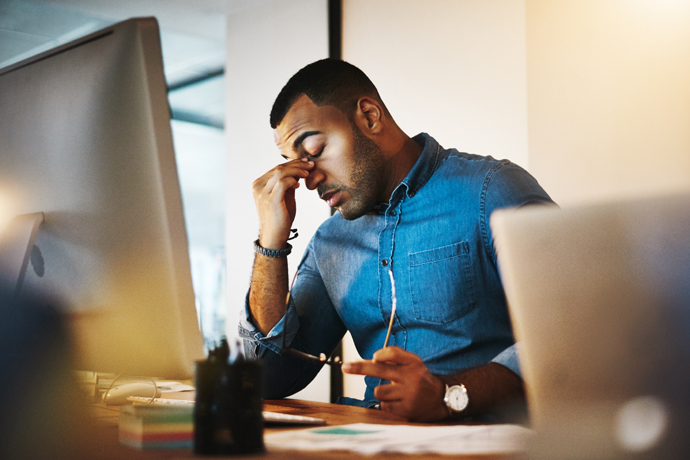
{"x":409,"y":213}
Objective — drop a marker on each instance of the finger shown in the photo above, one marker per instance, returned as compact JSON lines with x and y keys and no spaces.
{"x":382,"y":370}
{"x":278,"y":200}
{"x":276,"y":191}
{"x":396,"y":355}
{"x":389,"y":392}
{"x":279,"y":191}
{"x":394,"y":407}
{"x":295,"y":168}
{"x":295,"y":171}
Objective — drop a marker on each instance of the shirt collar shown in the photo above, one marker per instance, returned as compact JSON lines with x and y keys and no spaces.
{"x":424,"y":167}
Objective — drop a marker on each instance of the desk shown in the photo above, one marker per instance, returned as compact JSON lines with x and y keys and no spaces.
{"x":105,"y":444}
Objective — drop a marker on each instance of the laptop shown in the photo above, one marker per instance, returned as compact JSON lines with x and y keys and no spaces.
{"x":599,"y":296}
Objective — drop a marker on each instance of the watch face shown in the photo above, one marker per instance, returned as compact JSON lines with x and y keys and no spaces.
{"x":456,"y":398}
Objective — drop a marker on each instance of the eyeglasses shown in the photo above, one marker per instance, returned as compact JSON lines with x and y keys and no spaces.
{"x":322,"y":358}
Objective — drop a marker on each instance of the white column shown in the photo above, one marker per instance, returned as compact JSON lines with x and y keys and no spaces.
{"x":266,"y":45}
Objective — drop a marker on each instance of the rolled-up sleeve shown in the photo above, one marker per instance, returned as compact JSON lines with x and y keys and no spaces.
{"x":282,"y":334}
{"x":509,"y":359}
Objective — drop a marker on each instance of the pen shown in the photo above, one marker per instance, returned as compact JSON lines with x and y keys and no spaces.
{"x":390,"y":323}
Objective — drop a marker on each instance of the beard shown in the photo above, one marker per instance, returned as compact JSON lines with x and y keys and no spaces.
{"x":367,"y":176}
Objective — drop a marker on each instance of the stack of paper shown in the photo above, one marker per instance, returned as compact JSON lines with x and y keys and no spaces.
{"x":371,"y":439}
{"x":157,"y":427}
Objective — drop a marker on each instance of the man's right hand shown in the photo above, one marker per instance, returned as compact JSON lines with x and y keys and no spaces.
{"x":274,"y":196}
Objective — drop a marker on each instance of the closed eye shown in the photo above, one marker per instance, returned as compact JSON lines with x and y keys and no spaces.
{"x":314,"y":156}
{"x":313,"y":145}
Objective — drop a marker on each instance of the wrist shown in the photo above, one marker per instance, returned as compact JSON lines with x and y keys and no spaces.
{"x":456,"y":399}
{"x":269,"y":242}
{"x":441,"y":410}
{"x":277,"y":240}
{"x":455,"y":396}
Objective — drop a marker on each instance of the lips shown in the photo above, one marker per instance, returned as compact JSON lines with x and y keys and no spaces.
{"x":331,"y":198}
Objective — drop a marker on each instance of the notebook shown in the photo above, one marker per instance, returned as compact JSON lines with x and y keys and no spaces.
{"x":599,"y":296}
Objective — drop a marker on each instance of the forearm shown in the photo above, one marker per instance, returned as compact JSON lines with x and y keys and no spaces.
{"x":268,"y":291}
{"x":274,"y":196}
{"x":310,"y":324}
{"x":492,"y":388}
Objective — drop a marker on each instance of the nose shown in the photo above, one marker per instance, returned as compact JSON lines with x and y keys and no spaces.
{"x":314,"y":179}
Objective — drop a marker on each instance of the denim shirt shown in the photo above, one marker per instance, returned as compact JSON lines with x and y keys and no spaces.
{"x":434,"y":235}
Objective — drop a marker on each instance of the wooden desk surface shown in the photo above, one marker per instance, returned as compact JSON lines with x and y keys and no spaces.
{"x":102,"y":440}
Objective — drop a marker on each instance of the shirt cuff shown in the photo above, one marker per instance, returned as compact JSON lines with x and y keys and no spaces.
{"x":509,"y":359}
{"x":281,"y":336}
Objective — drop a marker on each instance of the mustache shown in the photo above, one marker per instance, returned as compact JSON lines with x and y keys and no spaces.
{"x":322,"y":189}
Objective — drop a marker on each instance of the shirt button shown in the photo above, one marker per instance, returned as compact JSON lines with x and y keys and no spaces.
{"x":393,"y":213}
{"x":384,"y":262}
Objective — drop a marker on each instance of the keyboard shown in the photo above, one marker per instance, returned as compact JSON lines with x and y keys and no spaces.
{"x":269,"y":417}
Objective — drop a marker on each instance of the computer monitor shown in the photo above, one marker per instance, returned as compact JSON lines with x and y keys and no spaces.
{"x":86,"y":144}
{"x":599,"y":295}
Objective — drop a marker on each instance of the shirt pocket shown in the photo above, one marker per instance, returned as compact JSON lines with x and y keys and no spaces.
{"x":441,"y":283}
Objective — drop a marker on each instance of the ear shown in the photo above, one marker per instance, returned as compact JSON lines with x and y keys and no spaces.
{"x":369,"y":115}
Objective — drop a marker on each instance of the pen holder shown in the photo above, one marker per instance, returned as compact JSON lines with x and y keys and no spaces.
{"x":228,"y":410}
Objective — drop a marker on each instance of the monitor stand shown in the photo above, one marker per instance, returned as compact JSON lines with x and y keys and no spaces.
{"x":16,"y":248}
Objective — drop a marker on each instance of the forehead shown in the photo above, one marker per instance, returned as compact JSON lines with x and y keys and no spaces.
{"x":305,"y":116}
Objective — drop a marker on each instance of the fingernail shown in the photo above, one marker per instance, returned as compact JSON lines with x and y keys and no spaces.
{"x":346,"y":367}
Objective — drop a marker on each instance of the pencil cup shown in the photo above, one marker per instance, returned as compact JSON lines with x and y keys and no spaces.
{"x":228,"y":410}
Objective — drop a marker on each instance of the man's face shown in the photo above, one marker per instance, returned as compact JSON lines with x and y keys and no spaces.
{"x":349,"y":168}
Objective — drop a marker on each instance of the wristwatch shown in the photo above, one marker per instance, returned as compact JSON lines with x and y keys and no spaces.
{"x":456,"y":398}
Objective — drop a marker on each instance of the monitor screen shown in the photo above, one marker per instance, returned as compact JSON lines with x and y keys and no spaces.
{"x":85,"y":139}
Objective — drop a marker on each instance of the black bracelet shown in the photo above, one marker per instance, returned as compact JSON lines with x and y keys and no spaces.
{"x":275,"y":253}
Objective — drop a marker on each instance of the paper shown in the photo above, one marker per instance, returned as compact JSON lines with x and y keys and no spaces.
{"x":173,"y":387}
{"x":367,"y":438}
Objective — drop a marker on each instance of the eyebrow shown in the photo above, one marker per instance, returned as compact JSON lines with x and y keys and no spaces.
{"x":302,"y":137}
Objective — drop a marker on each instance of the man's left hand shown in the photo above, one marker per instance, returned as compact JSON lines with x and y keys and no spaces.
{"x":413,"y":392}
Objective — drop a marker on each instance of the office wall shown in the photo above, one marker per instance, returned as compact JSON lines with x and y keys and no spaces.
{"x":608,"y":97}
{"x":592,"y":96}
{"x":266,"y":44}
{"x":453,"y":68}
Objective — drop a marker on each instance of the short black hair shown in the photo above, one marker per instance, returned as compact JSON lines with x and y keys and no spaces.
{"x":325,"y":82}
